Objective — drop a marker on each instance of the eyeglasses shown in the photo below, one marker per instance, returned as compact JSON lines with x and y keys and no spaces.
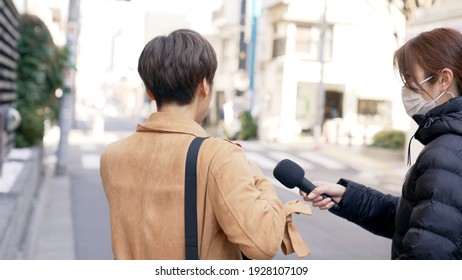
{"x":413,"y":85}
{"x":426,"y":80}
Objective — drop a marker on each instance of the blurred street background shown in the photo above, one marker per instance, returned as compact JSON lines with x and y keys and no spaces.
{"x":311,"y":81}
{"x":75,"y":204}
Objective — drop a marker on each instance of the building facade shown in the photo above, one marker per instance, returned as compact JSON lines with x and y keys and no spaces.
{"x":347,"y":92}
{"x":228,"y":100}
{"x":53,"y":13}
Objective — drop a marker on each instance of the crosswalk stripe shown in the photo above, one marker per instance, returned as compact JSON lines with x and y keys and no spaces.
{"x":268,"y":155}
{"x":303,"y":163}
{"x":262,"y":146}
{"x":278,"y":184}
{"x":254,"y":146}
{"x":88,"y":147}
{"x":90,"y":161}
{"x":263,"y":161}
{"x":326,"y":162}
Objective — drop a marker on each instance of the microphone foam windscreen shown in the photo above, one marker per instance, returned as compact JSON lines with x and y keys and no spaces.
{"x":288,"y":173}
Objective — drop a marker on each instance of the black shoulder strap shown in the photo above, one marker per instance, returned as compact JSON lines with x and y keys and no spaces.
{"x":190,"y":209}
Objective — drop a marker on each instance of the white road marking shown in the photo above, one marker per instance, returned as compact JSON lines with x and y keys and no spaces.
{"x":278,"y":184}
{"x":263,"y":161}
{"x":268,"y":155}
{"x":88,"y":147}
{"x":90,"y":161}
{"x":324,"y":161}
{"x":300,"y":161}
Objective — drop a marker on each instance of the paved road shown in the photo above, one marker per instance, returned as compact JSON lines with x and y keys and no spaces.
{"x":328,"y":236}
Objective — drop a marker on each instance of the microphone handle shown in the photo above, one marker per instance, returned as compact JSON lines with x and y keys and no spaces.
{"x":308,"y":187}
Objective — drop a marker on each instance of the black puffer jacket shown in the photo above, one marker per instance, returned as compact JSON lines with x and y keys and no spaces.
{"x":426,"y":222}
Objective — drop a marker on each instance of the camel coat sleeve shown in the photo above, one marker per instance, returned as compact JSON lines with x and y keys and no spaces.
{"x":246,"y":207}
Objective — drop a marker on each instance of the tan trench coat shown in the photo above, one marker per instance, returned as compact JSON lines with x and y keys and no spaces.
{"x":143,"y":178}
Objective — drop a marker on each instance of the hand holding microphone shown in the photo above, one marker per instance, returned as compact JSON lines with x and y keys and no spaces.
{"x":292,"y":175}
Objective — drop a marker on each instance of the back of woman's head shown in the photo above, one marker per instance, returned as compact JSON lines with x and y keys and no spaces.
{"x":173,"y":66}
{"x":432,"y":50}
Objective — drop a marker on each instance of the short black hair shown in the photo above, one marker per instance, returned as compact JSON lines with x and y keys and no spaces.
{"x":173,"y":66}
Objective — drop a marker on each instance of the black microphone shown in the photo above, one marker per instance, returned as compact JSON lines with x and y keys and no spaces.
{"x":292,"y":175}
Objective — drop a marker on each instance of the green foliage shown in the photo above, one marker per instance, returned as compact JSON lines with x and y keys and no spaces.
{"x":248,"y":126}
{"x":32,"y":125}
{"x":40,"y":72}
{"x":389,"y":139}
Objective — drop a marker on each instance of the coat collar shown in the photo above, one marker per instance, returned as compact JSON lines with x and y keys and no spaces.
{"x":444,"y":119}
{"x":171,"y":123}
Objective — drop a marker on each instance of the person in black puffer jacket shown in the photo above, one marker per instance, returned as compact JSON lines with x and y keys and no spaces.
{"x":426,"y":221}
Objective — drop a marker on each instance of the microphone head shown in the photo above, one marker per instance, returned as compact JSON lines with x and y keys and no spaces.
{"x":288,"y":173}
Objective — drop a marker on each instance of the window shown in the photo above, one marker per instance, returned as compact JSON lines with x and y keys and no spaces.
{"x":308,"y":39}
{"x":56,"y":15}
{"x":279,"y":47}
{"x":373,"y":107}
{"x":302,"y":39}
{"x":279,"y":39}
{"x":333,"y":105}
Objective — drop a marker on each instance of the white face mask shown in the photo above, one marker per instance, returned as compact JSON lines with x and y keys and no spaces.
{"x":414,"y":102}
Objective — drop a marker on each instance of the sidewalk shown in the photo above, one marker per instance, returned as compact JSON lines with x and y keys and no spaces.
{"x":51,"y":233}
{"x":52,"y":225}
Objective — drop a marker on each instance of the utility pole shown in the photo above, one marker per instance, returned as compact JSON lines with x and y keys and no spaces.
{"x":256,"y":6}
{"x":67,"y":100}
{"x":242,"y":48}
{"x":321,"y":90}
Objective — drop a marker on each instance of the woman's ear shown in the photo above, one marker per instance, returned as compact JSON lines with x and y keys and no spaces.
{"x":150,"y":94}
{"x":445,"y":79}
